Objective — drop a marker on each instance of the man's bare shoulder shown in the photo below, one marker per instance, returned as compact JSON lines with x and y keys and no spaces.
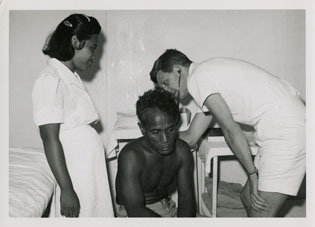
{"x":182,"y":148}
{"x":132,"y":150}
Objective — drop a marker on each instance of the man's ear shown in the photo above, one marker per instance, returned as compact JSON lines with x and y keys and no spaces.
{"x":76,"y":43}
{"x":141,"y":128}
{"x":177,"y":68}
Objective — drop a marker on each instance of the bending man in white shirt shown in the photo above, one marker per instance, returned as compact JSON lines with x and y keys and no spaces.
{"x":235,"y":91}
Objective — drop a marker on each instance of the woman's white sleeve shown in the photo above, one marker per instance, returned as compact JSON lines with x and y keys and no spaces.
{"x":47,"y":99}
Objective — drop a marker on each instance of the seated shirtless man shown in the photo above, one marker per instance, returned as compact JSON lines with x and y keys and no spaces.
{"x":149,"y":165}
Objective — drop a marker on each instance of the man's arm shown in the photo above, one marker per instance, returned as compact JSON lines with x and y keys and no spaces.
{"x":197,"y":128}
{"x":237,"y":142}
{"x":185,"y":183}
{"x":129,"y":180}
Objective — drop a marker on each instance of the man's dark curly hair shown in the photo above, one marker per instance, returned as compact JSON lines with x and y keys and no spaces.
{"x":157,"y":98}
{"x":166,"y":62}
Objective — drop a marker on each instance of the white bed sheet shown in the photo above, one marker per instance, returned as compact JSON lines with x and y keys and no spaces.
{"x":31,"y":182}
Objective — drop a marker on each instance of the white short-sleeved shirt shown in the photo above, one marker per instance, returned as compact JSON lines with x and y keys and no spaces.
{"x":248,"y":90}
{"x":59,"y":96}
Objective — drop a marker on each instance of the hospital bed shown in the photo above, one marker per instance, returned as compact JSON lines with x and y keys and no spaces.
{"x":31,"y":183}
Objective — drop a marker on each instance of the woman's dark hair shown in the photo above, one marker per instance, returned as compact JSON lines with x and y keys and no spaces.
{"x":160,"y":99}
{"x":166,"y":62}
{"x":58,"y":44}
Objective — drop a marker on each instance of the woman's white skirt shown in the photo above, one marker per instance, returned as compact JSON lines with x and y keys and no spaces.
{"x":85,"y":159}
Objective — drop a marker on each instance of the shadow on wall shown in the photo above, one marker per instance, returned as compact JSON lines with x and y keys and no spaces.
{"x":89,"y":75}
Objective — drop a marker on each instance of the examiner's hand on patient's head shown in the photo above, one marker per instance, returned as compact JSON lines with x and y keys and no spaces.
{"x":69,"y":202}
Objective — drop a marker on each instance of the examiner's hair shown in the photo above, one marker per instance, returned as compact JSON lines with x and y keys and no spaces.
{"x":59,"y":45}
{"x":166,"y":62}
{"x":157,"y":98}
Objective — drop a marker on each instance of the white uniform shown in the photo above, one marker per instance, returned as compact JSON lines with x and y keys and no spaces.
{"x":60,"y":97}
{"x":269,"y":104}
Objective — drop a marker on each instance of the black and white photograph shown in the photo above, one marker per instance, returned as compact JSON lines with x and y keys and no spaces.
{"x":195,"y":114}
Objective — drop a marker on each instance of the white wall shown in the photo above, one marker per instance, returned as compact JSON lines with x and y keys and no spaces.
{"x":274,"y":39}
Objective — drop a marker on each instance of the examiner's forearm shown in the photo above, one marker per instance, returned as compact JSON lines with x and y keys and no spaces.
{"x":190,"y":139}
{"x":197,"y":128}
{"x":237,"y":142}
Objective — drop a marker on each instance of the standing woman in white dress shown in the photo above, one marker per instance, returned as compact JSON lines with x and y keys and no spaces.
{"x":63,"y":111}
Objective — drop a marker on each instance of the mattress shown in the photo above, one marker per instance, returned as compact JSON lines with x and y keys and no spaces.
{"x":31,"y":182}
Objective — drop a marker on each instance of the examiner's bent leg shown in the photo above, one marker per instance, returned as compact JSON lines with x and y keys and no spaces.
{"x":274,"y":199}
